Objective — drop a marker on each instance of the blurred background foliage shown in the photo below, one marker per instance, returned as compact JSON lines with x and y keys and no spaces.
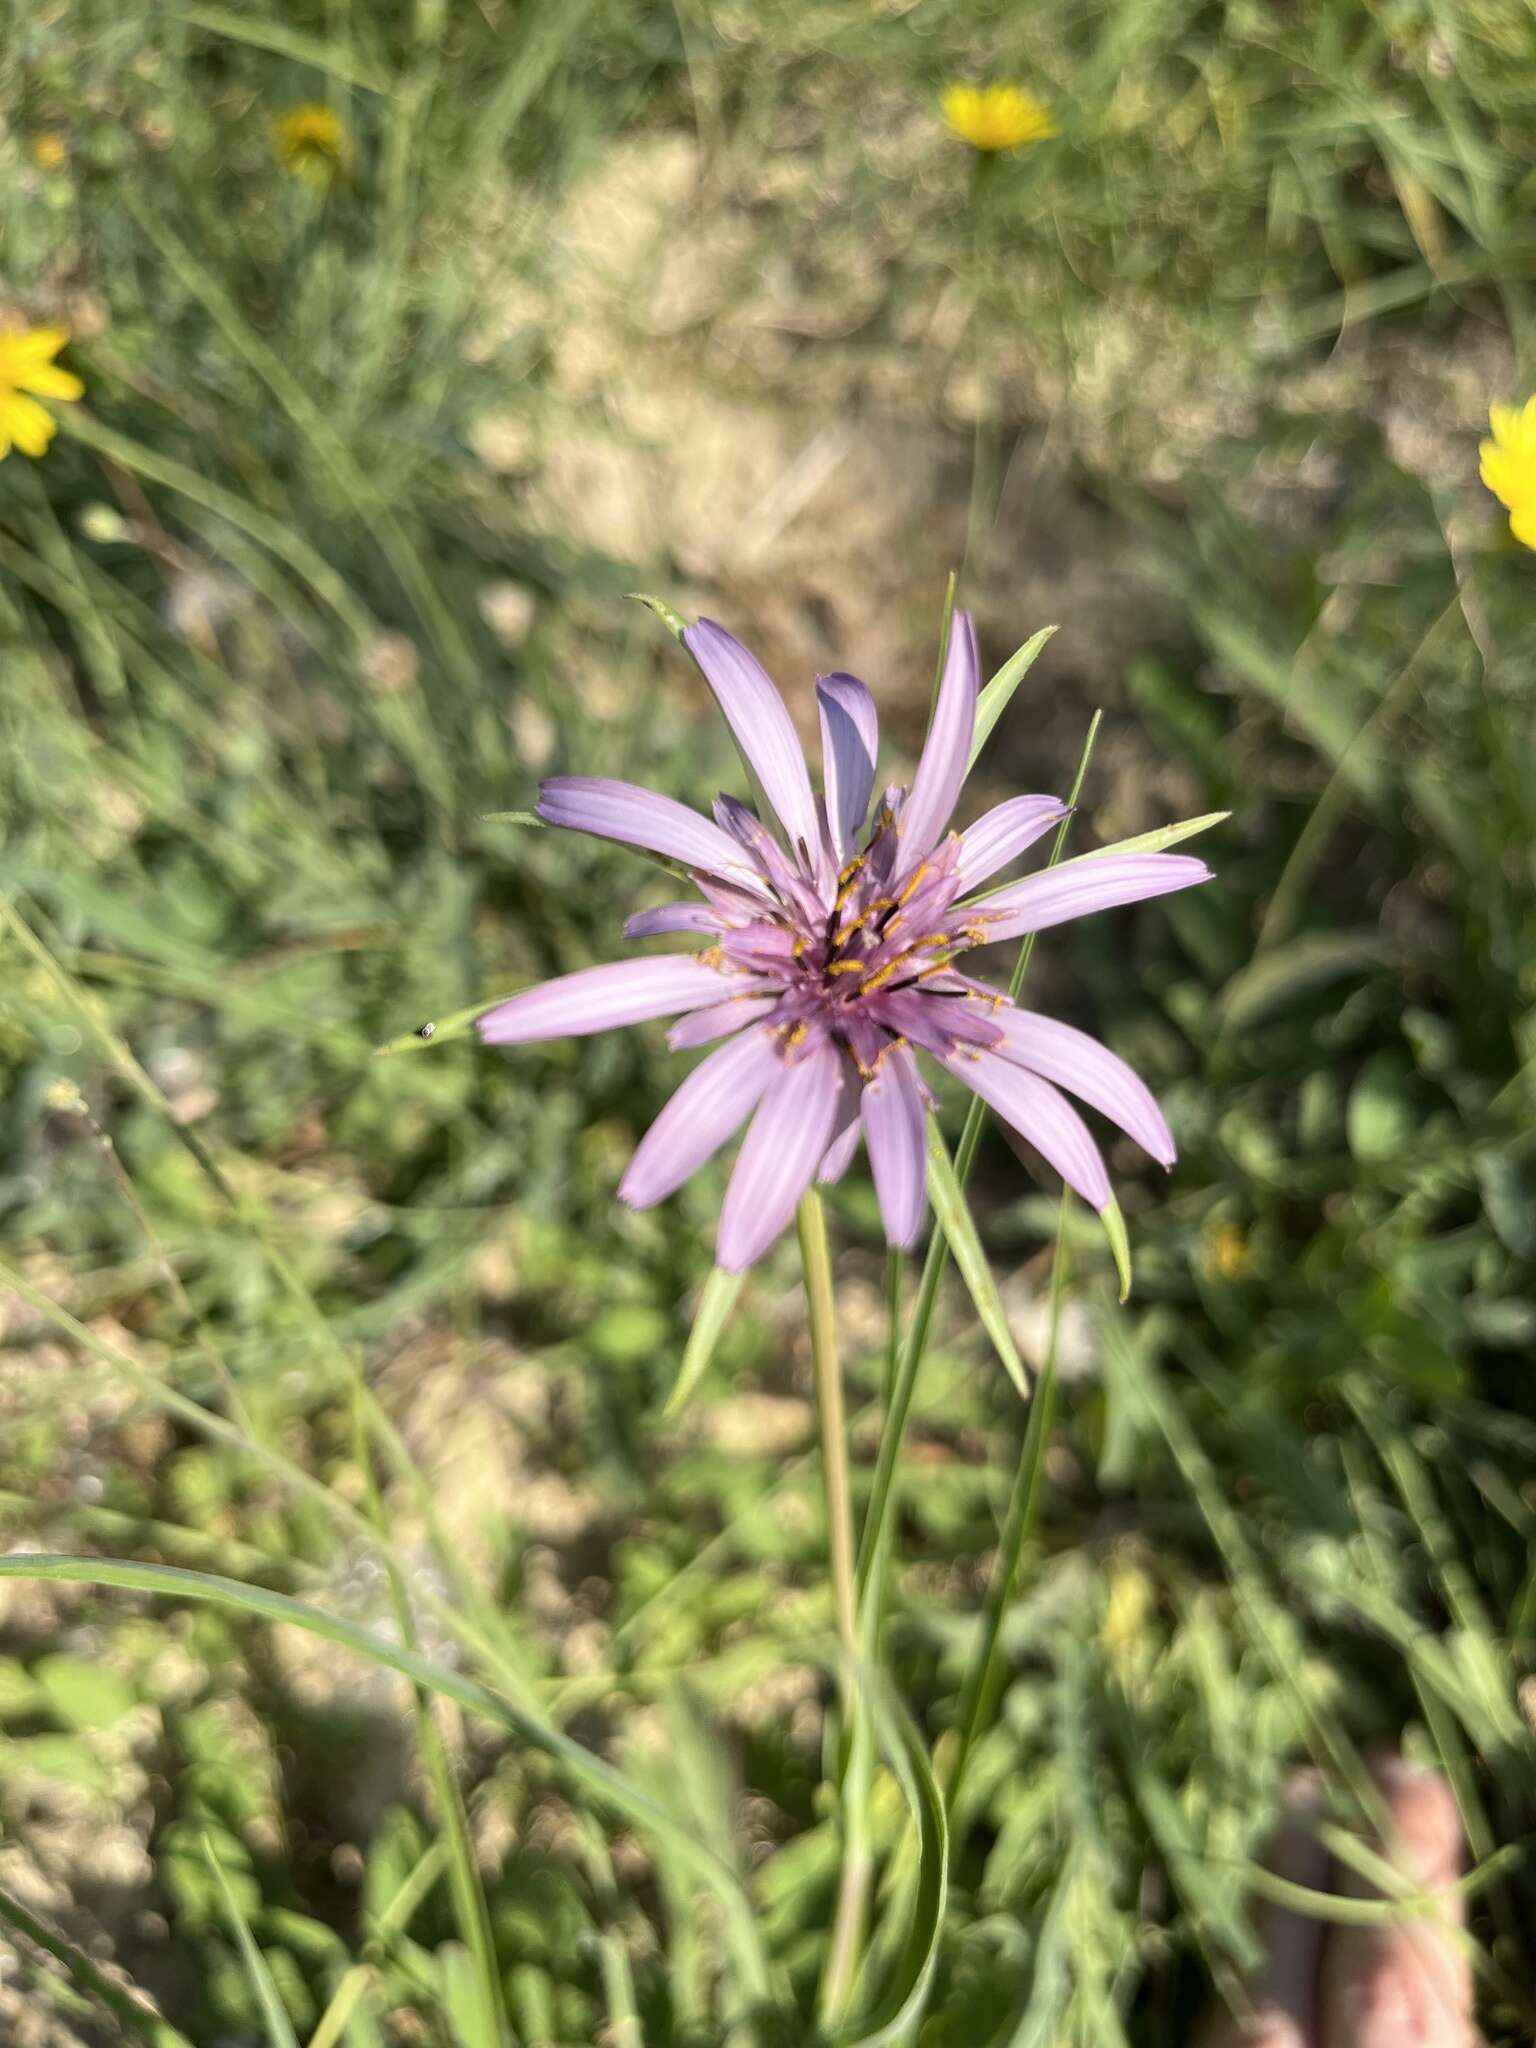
{"x":596,"y":294}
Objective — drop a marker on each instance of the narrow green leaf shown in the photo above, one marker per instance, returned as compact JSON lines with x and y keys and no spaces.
{"x":1156,"y":841}
{"x":998,"y":694}
{"x":124,"y":2006}
{"x":959,"y":1228}
{"x":381,"y":1927}
{"x":511,"y":818}
{"x":714,"y":1312}
{"x":274,"y":2016}
{"x":674,"y":621}
{"x":1119,"y":1244}
{"x":895,"y":2018}
{"x":320,"y":53}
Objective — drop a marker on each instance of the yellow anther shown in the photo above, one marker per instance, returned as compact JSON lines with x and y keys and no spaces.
{"x":915,"y":883}
{"x":712,"y":956}
{"x":797,"y":950}
{"x":895,"y":1045}
{"x":882,"y":975}
{"x":847,"y":966}
{"x":796,"y":1037}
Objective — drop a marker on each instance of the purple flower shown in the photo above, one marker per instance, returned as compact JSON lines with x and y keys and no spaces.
{"x":833,"y":957}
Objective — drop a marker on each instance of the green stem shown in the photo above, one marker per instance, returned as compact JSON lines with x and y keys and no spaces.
{"x":979,"y":1693}
{"x":877,"y":1520}
{"x":853,"y":1882}
{"x":895,"y":1275}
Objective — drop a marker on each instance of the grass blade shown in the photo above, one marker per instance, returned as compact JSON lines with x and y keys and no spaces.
{"x":274,"y":2016}
{"x":899,"y":2011}
{"x":318,"y":52}
{"x":130,"y":2015}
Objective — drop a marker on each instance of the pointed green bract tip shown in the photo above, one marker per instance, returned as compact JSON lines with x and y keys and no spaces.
{"x":458,"y":1024}
{"x":714,"y":1312}
{"x":674,"y":621}
{"x":1119,"y":1244}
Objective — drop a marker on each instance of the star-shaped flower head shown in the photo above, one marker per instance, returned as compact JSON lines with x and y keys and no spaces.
{"x":830,"y":955}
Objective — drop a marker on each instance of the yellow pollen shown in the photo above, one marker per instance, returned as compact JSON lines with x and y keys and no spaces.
{"x":883,"y":974}
{"x":895,"y":1045}
{"x":846,"y":966}
{"x":938,"y":967}
{"x":930,"y":939}
{"x":796,"y":1036}
{"x":797,"y":950}
{"x":977,"y":934}
{"x":913,"y":885}
{"x":712,"y":956}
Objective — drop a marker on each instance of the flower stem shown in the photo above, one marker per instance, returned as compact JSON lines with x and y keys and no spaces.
{"x":981,"y":1680}
{"x":853,"y":1883}
{"x":878,"y":1517}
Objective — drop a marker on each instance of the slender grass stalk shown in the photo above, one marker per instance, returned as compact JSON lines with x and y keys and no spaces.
{"x":979,"y":1692}
{"x":876,"y":1532}
{"x":853,"y":1882}
{"x":131,"y":2016}
{"x":469,"y":1906}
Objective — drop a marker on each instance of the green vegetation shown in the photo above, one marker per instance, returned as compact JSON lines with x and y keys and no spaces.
{"x":448,"y":1688}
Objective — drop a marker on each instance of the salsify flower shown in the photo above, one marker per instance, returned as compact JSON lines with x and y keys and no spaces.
{"x":311,"y":142}
{"x":834,"y":955}
{"x":28,"y":373}
{"x":1508,"y":466}
{"x":996,"y":117}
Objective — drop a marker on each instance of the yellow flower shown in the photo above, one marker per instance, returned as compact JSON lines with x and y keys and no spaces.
{"x":994,"y":117}
{"x":1225,"y":1252}
{"x":1509,"y":466}
{"x":311,"y":142}
{"x":26,"y":364}
{"x":1127,"y":1611}
{"x":50,"y":152}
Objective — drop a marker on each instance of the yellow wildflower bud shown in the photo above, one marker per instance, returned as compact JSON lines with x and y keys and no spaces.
{"x":311,"y":142}
{"x":996,"y":117}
